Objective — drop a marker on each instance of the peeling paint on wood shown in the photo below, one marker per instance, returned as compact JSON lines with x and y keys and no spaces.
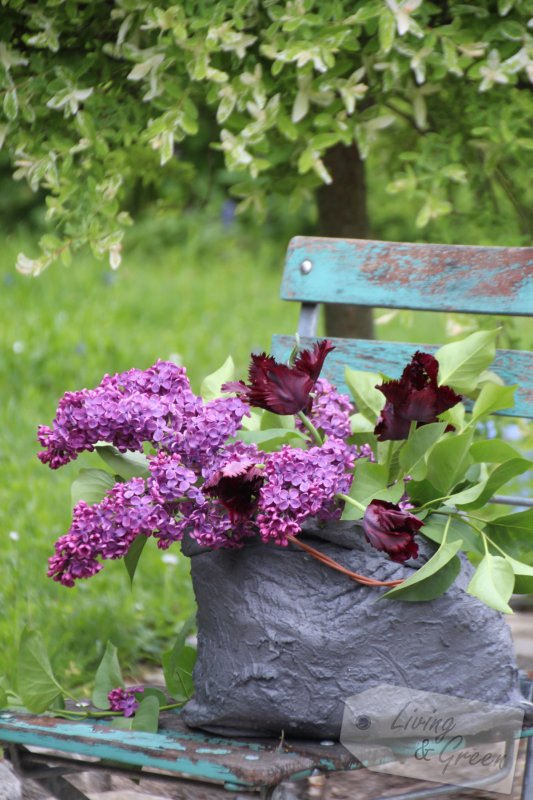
{"x":434,"y":277}
{"x":513,"y":366}
{"x":177,"y":750}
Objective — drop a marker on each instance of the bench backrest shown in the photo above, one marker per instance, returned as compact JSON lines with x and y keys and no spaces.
{"x":434,"y":277}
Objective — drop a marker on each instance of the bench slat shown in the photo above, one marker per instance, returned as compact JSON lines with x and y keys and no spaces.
{"x":513,"y":366}
{"x":178,"y":750}
{"x":432,"y":277}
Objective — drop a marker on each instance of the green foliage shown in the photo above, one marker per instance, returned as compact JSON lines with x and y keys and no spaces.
{"x":434,"y":577}
{"x":91,"y":485}
{"x":126,"y":465}
{"x":440,"y":95}
{"x":493,"y":582}
{"x":178,"y":664}
{"x":211,"y":387}
{"x":108,"y":676}
{"x":462,"y":363}
{"x":38,"y":688}
{"x":371,"y":483}
{"x":446,"y":471}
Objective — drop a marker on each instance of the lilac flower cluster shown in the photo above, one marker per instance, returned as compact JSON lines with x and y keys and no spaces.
{"x":107,"y":530}
{"x":201,"y":481}
{"x":220,"y":514}
{"x":156,"y":406}
{"x":330,"y":410}
{"x":124,"y":700}
{"x":301,"y":484}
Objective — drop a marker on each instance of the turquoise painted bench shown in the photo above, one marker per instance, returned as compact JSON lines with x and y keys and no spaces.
{"x":487,"y":280}
{"x":424,"y":277}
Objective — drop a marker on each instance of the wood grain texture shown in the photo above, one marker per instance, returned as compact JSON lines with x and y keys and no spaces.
{"x":513,"y":366}
{"x":178,"y":750}
{"x":434,"y":277}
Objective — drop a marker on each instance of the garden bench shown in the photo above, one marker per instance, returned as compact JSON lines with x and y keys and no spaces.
{"x":485,"y":280}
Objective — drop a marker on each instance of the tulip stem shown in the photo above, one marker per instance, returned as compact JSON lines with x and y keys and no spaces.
{"x":311,"y":428}
{"x":388,"y":459}
{"x":348,"y":499}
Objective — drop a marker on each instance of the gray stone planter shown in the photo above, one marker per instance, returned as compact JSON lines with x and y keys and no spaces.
{"x":283,"y":640}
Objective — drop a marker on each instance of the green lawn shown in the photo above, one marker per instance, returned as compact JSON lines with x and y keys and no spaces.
{"x":212,"y":293}
{"x":196,"y":296}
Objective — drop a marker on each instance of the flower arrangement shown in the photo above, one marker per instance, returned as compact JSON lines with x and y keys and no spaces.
{"x":257,"y":459}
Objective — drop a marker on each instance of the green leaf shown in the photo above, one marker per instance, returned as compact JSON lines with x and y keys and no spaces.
{"x":455,"y":416}
{"x":91,"y":485}
{"x":493,"y":583}
{"x":271,"y":421}
{"x":131,"y":559}
{"x":434,"y":577}
{"x":211,"y":385}
{"x":514,"y":534}
{"x":493,"y":451}
{"x":362,"y":386}
{"x":37,"y":685}
{"x":11,"y":104}
{"x":414,"y":452}
{"x":370,"y":483}
{"x":108,"y":676}
{"x":448,"y":460}
{"x":501,"y":475}
{"x":152,"y":691}
{"x":523,"y":584}
{"x":368,"y":11}
{"x":422,"y":492}
{"x":435,"y":527}
{"x":127,"y":465}
{"x":467,"y":495}
{"x":147,"y":715}
{"x":493,"y":397}
{"x":504,"y":6}
{"x":252,"y":422}
{"x":386,"y":30}
{"x":462,"y":363}
{"x":523,"y":575}
{"x":272,"y":439}
{"x":178,"y":664}
{"x":360,"y":424}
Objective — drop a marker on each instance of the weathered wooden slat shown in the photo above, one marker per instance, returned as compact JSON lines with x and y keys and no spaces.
{"x":178,"y":750}
{"x":513,"y":366}
{"x":433,"y":277}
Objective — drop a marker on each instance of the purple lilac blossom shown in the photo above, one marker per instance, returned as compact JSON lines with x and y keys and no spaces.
{"x":211,"y":526}
{"x":300,"y":484}
{"x":330,"y":411}
{"x":106,"y":530}
{"x":127,"y":409}
{"x":170,"y":481}
{"x":209,"y":429}
{"x":124,"y":700}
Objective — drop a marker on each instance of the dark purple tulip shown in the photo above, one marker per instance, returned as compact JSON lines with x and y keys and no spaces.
{"x":237,"y":487}
{"x":278,"y":387}
{"x":416,"y":397}
{"x":392,"y":530}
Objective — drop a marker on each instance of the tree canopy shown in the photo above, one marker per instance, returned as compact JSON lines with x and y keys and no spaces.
{"x":99,"y":96}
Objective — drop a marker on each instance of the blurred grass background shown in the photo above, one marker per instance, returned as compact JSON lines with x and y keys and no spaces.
{"x":192,"y":289}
